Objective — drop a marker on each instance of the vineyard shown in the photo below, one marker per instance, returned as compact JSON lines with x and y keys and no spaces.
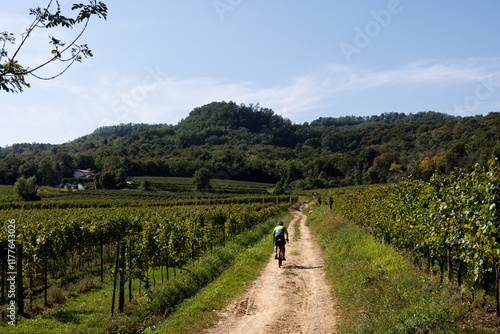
{"x":449,"y":224}
{"x":164,"y":191}
{"x":117,"y":238}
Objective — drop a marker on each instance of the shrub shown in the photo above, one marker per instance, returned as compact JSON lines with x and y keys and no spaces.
{"x":27,"y":188}
{"x":55,"y":293}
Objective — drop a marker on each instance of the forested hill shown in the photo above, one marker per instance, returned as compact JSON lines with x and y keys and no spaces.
{"x":116,"y":131}
{"x":348,"y":122}
{"x":253,"y":143}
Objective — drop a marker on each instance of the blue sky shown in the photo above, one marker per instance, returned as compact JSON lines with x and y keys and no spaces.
{"x":154,"y":61}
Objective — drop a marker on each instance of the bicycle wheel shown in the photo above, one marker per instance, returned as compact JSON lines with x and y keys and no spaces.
{"x":280,"y":256}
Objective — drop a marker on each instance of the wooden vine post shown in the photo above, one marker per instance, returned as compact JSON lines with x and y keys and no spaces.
{"x":121,"y":296}
{"x":45,"y":280}
{"x":119,"y":267}
{"x":102,"y":259}
{"x":116,"y":273}
{"x":497,"y":289}
{"x":19,"y":278}
{"x":4,"y":271}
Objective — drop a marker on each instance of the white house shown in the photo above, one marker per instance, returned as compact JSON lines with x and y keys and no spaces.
{"x":82,"y":173}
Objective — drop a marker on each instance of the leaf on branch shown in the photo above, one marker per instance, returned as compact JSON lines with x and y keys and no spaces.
{"x":97,"y":8}
{"x":12,"y":79}
{"x":56,"y":53}
{"x":36,"y":11}
{"x":86,"y":51}
{"x":12,"y":75}
{"x":5,"y":36}
{"x":56,"y":41}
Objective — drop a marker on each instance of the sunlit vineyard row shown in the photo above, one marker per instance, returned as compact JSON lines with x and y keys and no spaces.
{"x":97,"y":201}
{"x":154,"y":236}
{"x":451,"y":223}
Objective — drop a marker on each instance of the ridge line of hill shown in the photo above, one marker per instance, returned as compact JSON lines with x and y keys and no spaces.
{"x":253,"y":143}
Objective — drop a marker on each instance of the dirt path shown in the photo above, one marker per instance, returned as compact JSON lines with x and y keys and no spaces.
{"x":293,"y":299}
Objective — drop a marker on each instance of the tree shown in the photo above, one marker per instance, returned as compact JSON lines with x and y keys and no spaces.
{"x":278,"y":189}
{"x":107,"y":180}
{"x":97,"y":181}
{"x":13,"y":75}
{"x":202,"y":180}
{"x":145,"y":185}
{"x":46,"y":173}
{"x":27,"y":188}
{"x":291,"y":173}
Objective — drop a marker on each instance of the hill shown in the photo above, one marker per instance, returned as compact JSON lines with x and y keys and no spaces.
{"x":252,"y":143}
{"x":349,"y":122}
{"x":115,"y":131}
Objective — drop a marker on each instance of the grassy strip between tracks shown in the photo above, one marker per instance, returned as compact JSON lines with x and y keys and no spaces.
{"x":379,"y":290}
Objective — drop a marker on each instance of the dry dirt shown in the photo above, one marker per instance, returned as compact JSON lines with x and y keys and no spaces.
{"x":295,"y":298}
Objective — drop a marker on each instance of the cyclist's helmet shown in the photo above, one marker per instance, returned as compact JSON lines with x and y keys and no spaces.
{"x":280,"y":223}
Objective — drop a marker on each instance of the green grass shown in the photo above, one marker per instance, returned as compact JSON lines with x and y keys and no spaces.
{"x":188,"y":300}
{"x":378,"y":290}
{"x":296,"y":231}
{"x":198,"y":312}
{"x":89,"y":312}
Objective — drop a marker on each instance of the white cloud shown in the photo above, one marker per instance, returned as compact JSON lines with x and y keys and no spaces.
{"x":416,"y":74}
{"x":70,"y":109}
{"x":168,"y":98}
{"x":158,"y":97}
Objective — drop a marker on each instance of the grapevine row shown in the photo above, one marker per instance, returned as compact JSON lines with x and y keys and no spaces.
{"x":97,"y":201}
{"x":155,"y":236}
{"x":452,"y":221}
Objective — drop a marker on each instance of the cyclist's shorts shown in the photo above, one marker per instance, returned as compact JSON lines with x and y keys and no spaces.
{"x":279,"y":240}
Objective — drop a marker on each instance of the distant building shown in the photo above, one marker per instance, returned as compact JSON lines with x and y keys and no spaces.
{"x":82,"y":173}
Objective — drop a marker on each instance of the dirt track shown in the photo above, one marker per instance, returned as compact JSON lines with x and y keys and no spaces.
{"x":293,"y":299}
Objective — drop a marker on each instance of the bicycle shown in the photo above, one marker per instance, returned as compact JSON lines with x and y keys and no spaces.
{"x":280,"y":255}
{"x":281,"y":251}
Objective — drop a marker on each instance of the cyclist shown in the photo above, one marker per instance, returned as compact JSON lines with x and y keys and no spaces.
{"x":279,"y":234}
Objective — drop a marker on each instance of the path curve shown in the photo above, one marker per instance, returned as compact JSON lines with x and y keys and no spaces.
{"x":293,"y":299}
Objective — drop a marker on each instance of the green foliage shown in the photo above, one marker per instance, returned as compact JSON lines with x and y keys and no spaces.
{"x":156,"y":235}
{"x":201,"y":180}
{"x":12,"y":74}
{"x":27,"y":188}
{"x":219,"y":117}
{"x":90,"y":311}
{"x":237,"y":142}
{"x":346,"y":122}
{"x":451,"y":221}
{"x":145,"y":185}
{"x":117,"y":131}
{"x":378,"y":290}
{"x":194,"y":314}
{"x":108,"y":180}
{"x":198,"y":276}
{"x":278,"y":189}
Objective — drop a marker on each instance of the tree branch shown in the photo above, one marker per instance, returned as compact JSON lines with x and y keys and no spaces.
{"x":57,"y":56}
{"x":12,"y":73}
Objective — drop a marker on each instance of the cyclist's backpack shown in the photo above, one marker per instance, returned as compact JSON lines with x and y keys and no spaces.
{"x":279,"y":236}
